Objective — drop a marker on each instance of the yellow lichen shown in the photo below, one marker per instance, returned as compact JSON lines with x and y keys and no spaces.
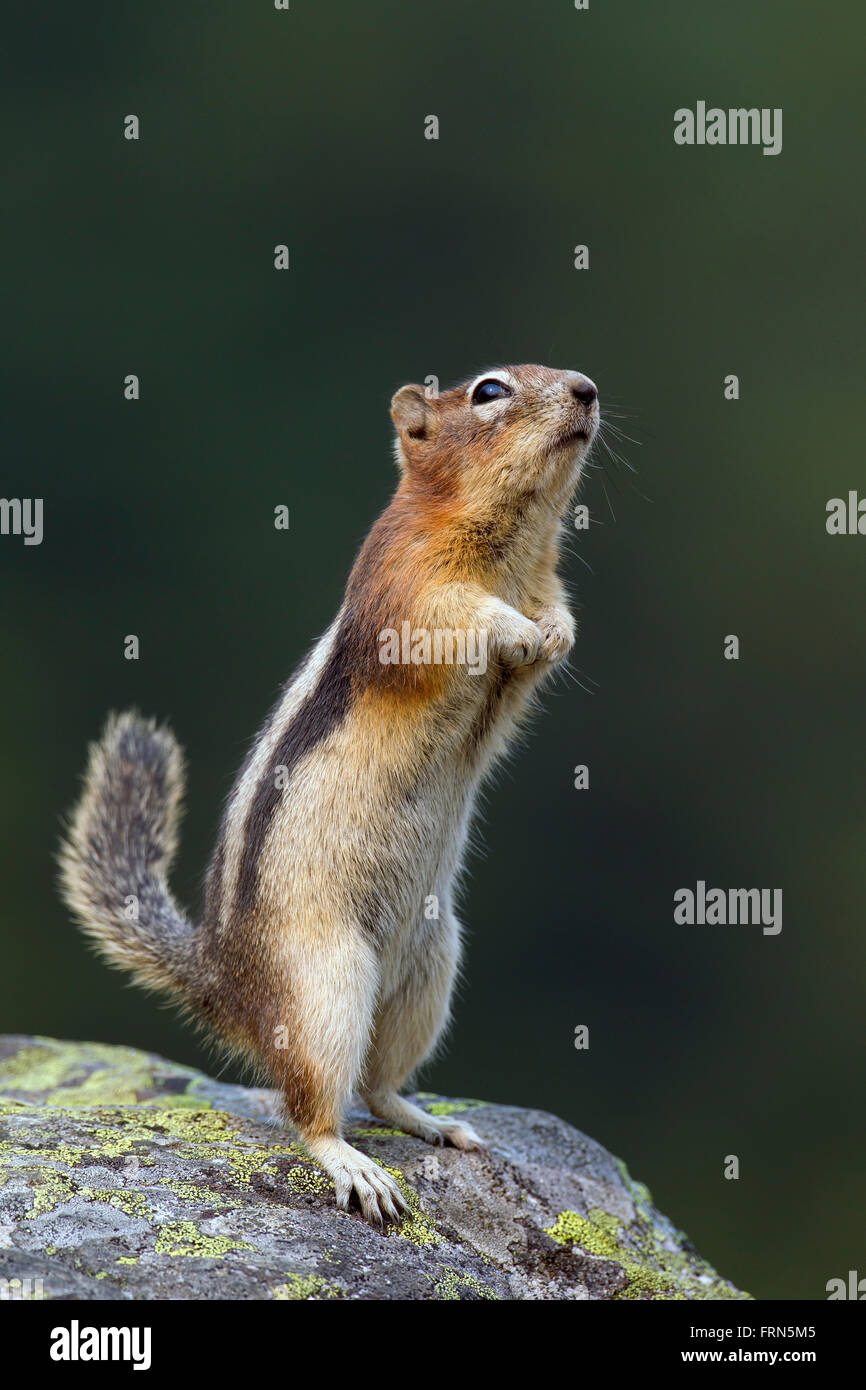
{"x":49,"y":1192}
{"x":301,"y":1179}
{"x":375,"y":1132}
{"x":132,"y":1203}
{"x":417,"y":1227}
{"x":453,"y":1107}
{"x":305,"y":1286}
{"x":86,"y":1074}
{"x":192,"y":1192}
{"x":451,"y":1281}
{"x":651,"y":1270}
{"x":184,"y":1238}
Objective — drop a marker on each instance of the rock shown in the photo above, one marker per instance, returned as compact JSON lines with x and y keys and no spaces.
{"x":126,"y":1176}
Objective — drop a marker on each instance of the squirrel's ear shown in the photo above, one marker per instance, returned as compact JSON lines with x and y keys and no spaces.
{"x":414,"y":415}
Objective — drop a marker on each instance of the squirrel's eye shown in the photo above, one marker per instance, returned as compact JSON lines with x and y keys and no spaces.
{"x":489,"y":391}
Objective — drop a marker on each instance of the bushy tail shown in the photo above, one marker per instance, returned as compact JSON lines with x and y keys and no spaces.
{"x":118,"y":849}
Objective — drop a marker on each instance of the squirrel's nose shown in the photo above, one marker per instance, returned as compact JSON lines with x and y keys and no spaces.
{"x":582,"y":388}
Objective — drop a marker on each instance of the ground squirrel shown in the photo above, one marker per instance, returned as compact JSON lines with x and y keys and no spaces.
{"x":328,"y":945}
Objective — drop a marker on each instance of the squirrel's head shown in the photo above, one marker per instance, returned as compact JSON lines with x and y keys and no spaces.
{"x":508,"y":434}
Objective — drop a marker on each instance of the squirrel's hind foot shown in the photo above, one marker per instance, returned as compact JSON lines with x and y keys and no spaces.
{"x":434,"y":1129}
{"x":351,"y":1172}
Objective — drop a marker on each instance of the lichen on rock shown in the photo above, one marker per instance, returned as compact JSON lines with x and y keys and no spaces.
{"x":123,"y":1175}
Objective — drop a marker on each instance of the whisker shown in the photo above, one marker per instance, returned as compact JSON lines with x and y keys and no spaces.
{"x":620,"y":434}
{"x":612,"y":512}
{"x":616,"y":457}
{"x":568,"y":670}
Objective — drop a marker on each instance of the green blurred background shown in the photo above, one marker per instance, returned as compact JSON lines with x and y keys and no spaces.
{"x":408,"y":258}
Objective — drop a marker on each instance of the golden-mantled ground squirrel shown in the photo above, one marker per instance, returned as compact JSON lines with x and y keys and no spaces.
{"x":328,"y":946}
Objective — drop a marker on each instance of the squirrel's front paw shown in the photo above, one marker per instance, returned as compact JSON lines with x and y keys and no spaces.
{"x":557,"y":634}
{"x":522,"y":646}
